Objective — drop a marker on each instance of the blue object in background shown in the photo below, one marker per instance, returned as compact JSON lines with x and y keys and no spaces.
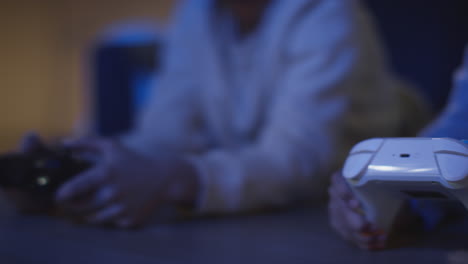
{"x":126,"y":63}
{"x":143,"y":84}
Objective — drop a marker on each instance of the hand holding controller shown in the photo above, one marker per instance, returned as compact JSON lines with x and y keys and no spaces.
{"x":383,"y":173}
{"x":41,"y":172}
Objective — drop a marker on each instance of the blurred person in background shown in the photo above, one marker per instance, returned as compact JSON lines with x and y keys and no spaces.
{"x":258,"y":101}
{"x":345,"y":209}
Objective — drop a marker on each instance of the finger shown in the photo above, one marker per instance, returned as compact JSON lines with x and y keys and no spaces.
{"x":106,"y":215}
{"x":31,"y":142}
{"x":338,"y":192}
{"x":341,"y":187}
{"x":372,"y":239}
{"x":333,"y":191}
{"x":337,"y":220}
{"x":355,"y":205}
{"x":365,"y":241}
{"x":97,"y":200}
{"x":83,"y":183}
{"x":348,"y":224}
{"x":351,"y":210}
{"x":355,"y":220}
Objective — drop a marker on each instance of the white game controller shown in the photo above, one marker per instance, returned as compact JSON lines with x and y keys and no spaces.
{"x":384,"y":173}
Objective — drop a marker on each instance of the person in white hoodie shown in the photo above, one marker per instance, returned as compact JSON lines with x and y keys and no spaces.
{"x":257,"y":102}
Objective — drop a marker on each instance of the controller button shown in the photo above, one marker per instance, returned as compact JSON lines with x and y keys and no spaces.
{"x":42,"y":180}
{"x":442,"y":144}
{"x":371,"y":145}
{"x":355,"y":165}
{"x":454,"y":168}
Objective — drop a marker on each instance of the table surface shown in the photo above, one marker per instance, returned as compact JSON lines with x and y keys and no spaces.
{"x":296,"y":236}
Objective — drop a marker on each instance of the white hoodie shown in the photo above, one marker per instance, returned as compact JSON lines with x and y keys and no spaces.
{"x":265,"y":119}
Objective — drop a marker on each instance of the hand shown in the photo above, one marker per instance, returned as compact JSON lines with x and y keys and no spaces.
{"x":347,"y":219}
{"x":23,"y":201}
{"x":125,"y":188}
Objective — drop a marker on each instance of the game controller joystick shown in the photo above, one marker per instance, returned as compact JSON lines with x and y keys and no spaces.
{"x":383,"y":173}
{"x":40,"y":173}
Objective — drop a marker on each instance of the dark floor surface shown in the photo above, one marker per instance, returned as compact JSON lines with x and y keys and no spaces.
{"x":298,"y":236}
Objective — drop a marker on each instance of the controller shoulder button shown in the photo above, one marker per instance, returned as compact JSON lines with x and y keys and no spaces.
{"x":355,"y":165}
{"x":449,"y":145}
{"x":454,"y":168}
{"x":370,"y":145}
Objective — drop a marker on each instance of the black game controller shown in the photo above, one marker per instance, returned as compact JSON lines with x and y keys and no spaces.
{"x":42,"y":172}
